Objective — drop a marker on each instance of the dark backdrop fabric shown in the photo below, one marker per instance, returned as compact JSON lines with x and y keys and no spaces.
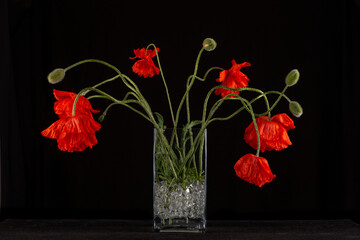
{"x":317,"y":177}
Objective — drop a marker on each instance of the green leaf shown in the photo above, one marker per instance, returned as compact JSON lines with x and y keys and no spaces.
{"x":190,"y":125}
{"x":160,"y":119}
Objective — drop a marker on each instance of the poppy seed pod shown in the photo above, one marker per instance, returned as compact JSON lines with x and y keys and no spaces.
{"x":56,"y":76}
{"x":209,"y":44}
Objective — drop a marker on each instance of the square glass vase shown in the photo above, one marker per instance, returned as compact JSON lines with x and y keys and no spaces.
{"x":179,"y":175}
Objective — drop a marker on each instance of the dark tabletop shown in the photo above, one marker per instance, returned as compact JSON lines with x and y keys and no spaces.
{"x":15,"y":229}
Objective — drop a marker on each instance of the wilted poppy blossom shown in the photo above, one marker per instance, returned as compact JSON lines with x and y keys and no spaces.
{"x":73,"y":133}
{"x":232,"y":78}
{"x":254,"y":170}
{"x":273,"y":132}
{"x":145,"y":66}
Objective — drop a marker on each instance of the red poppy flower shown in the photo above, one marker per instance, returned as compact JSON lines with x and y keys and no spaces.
{"x":273,"y":132}
{"x":232,"y":78}
{"x":73,"y":133}
{"x":145,"y":66}
{"x":254,"y":170}
{"x":63,"y":107}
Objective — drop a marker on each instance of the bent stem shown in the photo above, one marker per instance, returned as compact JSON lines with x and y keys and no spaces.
{"x":263,"y":95}
{"x":111,"y":98}
{"x":185,"y":96}
{"x":220,"y":101}
{"x":106,"y":64}
{"x":255,"y":125}
{"x":164,"y":81}
{"x":150,"y":118}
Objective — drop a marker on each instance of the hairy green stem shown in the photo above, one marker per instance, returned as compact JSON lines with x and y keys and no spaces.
{"x":103,"y":63}
{"x":164,"y":81}
{"x":185,"y":96}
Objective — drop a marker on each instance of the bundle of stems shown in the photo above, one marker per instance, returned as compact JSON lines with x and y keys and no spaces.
{"x":179,"y":158}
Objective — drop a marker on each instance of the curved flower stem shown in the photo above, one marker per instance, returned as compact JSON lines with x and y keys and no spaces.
{"x":147,"y":110}
{"x":164,"y":81}
{"x":185,"y":96}
{"x":103,"y":63}
{"x":219,"y":102}
{"x":106,"y":81}
{"x":136,"y":92}
{"x":255,"y":124}
{"x":282,"y":94}
{"x":198,"y":140}
{"x":126,"y":80}
{"x":263,"y":95}
{"x":111,"y":98}
{"x":90,"y":89}
{"x":188,"y":86}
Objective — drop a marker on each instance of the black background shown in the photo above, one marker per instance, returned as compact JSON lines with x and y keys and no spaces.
{"x":317,"y":177}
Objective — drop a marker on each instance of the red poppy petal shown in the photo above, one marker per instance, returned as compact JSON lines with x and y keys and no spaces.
{"x":145,"y":68}
{"x":139,"y":53}
{"x":222,"y":76}
{"x":250,"y":135}
{"x":73,"y":133}
{"x":60,"y":95}
{"x":245,"y":64}
{"x":151,"y":53}
{"x":284,"y":120}
{"x":54,"y":130}
{"x":254,"y":170}
{"x":63,"y":107}
{"x":274,"y":137}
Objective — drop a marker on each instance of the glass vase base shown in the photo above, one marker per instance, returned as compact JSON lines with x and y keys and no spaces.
{"x":186,"y":225}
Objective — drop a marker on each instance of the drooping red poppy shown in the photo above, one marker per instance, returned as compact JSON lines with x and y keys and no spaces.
{"x":254,"y":170}
{"x":64,"y":104}
{"x":73,"y":133}
{"x":273,"y":132}
{"x":232,"y":78}
{"x":145,"y":66}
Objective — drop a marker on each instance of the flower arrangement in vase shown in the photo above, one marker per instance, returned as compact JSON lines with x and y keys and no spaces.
{"x":180,"y":151}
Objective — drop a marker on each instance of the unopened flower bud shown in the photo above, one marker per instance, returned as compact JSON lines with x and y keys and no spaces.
{"x":56,"y":76}
{"x":209,"y":44}
{"x":292,"y":78}
{"x":101,"y":118}
{"x":295,"y":108}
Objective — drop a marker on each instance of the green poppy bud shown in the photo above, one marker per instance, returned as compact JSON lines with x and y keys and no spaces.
{"x":292,"y":78}
{"x":209,"y":44}
{"x":56,"y":76}
{"x":295,"y":108}
{"x":101,"y":118}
